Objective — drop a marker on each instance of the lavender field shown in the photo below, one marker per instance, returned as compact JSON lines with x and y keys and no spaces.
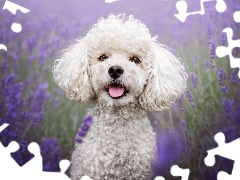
{"x":37,"y":110}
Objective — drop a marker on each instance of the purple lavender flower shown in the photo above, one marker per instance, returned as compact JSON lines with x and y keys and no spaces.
{"x":209,"y":30}
{"x":224,"y":90}
{"x":154,"y":125}
{"x":51,"y":154}
{"x":57,"y":93}
{"x":227,"y":105}
{"x":4,"y":67}
{"x":195,"y":59}
{"x":224,"y":40}
{"x":230,"y":133}
{"x":184,"y":125}
{"x":234,"y":76}
{"x":31,"y":43}
{"x":38,"y":98}
{"x":221,"y":75}
{"x":42,"y":54}
{"x":78,"y":139}
{"x":194,"y":79}
{"x":175,"y":106}
{"x":211,"y":41}
{"x":208,"y":65}
{"x":83,"y":129}
{"x":212,"y":48}
{"x":180,"y":104}
{"x":213,"y":65}
{"x":11,"y":109}
{"x":190,"y":98}
{"x":170,"y":144}
{"x":88,"y":121}
{"x":23,"y":115}
{"x":81,"y":133}
{"x":237,"y":112}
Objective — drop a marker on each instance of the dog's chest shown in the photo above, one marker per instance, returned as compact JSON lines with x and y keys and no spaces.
{"x":118,"y":148}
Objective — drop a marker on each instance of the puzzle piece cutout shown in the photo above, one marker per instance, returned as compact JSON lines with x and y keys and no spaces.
{"x":177,"y":171}
{"x":159,"y":178}
{"x":6,"y":157}
{"x":227,"y":150}
{"x":222,"y":51}
{"x":182,"y":9}
{"x":16,"y":27}
{"x":111,"y":1}
{"x":32,"y":169}
{"x":86,"y":178}
{"x":3,"y":126}
{"x":2,"y":46}
{"x":12,"y":7}
{"x":236,"y":16}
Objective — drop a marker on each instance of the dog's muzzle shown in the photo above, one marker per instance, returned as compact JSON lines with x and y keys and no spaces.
{"x":115,"y":89}
{"x":115,"y":71}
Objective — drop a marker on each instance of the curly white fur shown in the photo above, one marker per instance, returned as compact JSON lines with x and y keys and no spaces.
{"x":120,"y":143}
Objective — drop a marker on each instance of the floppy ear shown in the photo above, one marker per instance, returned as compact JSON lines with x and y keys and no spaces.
{"x":71,"y":73}
{"x":166,"y":82}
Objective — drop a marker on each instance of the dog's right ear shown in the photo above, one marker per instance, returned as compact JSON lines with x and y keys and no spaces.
{"x":71,"y":73}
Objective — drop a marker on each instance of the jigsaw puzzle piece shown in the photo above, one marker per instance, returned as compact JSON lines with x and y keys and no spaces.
{"x":182,"y":6}
{"x":53,"y":175}
{"x":228,"y":150}
{"x":177,"y":171}
{"x":222,"y":51}
{"x":34,"y":165}
{"x":86,"y":178}
{"x":236,"y":16}
{"x":5,"y":156}
{"x":210,"y":158}
{"x":12,"y":7}
{"x":223,"y":176}
{"x":16,"y":27}
{"x":182,"y":10}
{"x":2,"y":46}
{"x":64,"y":165}
{"x":6,"y":152}
{"x":3,"y":126}
{"x":221,"y":6}
{"x":111,"y":1}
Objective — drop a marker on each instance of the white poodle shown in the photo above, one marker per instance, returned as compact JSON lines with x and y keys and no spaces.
{"x":120,"y":67}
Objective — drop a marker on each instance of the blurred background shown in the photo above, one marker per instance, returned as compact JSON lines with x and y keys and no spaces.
{"x":37,"y":110}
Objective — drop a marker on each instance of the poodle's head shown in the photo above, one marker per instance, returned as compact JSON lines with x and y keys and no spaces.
{"x":117,"y":63}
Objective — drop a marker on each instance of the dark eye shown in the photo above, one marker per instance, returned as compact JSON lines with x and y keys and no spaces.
{"x":135,"y":59}
{"x":103,"y":57}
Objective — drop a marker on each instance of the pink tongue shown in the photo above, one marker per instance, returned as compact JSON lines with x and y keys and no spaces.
{"x":116,"y":91}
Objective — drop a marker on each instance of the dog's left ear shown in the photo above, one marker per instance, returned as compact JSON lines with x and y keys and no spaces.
{"x":166,"y":82}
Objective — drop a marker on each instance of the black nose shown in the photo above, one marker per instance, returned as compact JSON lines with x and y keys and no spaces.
{"x":115,"y":71}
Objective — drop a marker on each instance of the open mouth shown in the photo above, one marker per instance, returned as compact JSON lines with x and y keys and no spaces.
{"x":116,"y":91}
